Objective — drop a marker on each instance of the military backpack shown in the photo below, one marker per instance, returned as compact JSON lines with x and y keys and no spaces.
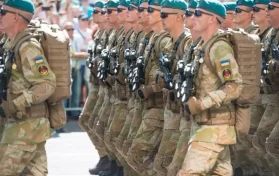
{"x":55,"y":44}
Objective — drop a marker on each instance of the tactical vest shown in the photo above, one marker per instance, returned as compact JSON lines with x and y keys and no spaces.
{"x":271,"y":78}
{"x":251,"y":28}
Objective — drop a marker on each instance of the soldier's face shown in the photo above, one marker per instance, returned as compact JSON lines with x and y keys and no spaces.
{"x":121,"y":16}
{"x":153,"y":16}
{"x":7,"y":20}
{"x":142,"y":13}
{"x":188,"y":22}
{"x":112,"y":16}
{"x":227,"y":23}
{"x":97,"y":17}
{"x":132,"y":15}
{"x":259,"y":14}
{"x":242,"y":15}
{"x":201,"y":23}
{"x":272,"y":13}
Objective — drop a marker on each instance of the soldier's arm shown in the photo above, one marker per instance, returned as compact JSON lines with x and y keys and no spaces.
{"x":223,"y":61}
{"x":37,"y":72}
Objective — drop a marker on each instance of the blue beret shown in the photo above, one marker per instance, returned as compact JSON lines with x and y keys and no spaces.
{"x":213,"y":6}
{"x":277,"y":1}
{"x":192,"y":4}
{"x":112,"y":4}
{"x":124,"y":3}
{"x":248,"y":3}
{"x":155,"y":2}
{"x":136,"y":2}
{"x":262,"y":2}
{"x":99,"y":4}
{"x":24,"y":5}
{"x":230,"y":6}
{"x":175,"y":4}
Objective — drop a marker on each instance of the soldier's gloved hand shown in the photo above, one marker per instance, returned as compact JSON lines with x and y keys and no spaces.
{"x":144,"y":91}
{"x":193,"y":106}
{"x":8,"y":107}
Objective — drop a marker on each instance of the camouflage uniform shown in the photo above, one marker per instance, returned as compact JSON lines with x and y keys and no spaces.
{"x":92,"y":98}
{"x":172,"y":116}
{"x":22,"y":148}
{"x":142,"y":152}
{"x":213,"y":128}
{"x":185,"y":122}
{"x":133,"y":45}
{"x":138,"y":104}
{"x":266,"y":137}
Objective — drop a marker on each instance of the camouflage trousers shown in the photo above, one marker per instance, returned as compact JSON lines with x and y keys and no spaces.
{"x":135,"y":124}
{"x":169,"y":142}
{"x":98,"y":143}
{"x":125,"y":130}
{"x":23,"y":159}
{"x":266,"y":138}
{"x":182,"y":147}
{"x":2,"y":125}
{"x":145,"y":145}
{"x":205,"y":158}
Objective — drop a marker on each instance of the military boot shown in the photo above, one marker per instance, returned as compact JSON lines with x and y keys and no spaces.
{"x":112,"y":170}
{"x":103,"y":165}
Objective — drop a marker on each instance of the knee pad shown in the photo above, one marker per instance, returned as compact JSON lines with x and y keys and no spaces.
{"x":272,"y":147}
{"x":258,"y":141}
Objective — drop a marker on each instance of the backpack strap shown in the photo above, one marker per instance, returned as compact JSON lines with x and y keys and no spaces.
{"x":158,"y":41}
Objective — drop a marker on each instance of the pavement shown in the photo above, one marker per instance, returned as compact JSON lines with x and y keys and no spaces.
{"x":71,"y":153}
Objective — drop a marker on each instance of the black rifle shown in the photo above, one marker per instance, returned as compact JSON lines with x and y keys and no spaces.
{"x":90,"y":58}
{"x":103,"y":67}
{"x":113,"y":57}
{"x":165,"y":67}
{"x":181,"y":77}
{"x":130,"y":57}
{"x":275,"y":52}
{"x":138,"y":74}
{"x":264,"y":63}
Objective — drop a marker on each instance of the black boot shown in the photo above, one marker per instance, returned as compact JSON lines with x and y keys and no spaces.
{"x":113,"y":169}
{"x":103,"y":164}
{"x":120,"y":171}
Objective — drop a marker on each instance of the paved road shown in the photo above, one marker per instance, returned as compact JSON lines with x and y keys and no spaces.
{"x":71,"y":153}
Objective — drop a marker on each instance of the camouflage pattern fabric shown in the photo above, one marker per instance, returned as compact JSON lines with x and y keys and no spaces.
{"x":145,"y":145}
{"x":209,"y":143}
{"x":205,"y":156}
{"x":17,"y":159}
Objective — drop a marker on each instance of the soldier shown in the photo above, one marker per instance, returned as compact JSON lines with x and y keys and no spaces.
{"x":266,"y":137}
{"x":132,"y":53}
{"x":92,"y":63}
{"x":185,"y":122}
{"x":25,"y":133}
{"x":228,"y":22}
{"x":213,"y":123}
{"x":172,"y":17}
{"x":243,"y":16}
{"x":142,"y":152}
{"x":137,"y":115}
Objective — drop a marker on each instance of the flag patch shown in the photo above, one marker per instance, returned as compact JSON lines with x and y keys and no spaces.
{"x":39,"y":60}
{"x":225,"y":63}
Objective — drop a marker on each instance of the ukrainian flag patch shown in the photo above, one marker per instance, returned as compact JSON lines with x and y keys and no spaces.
{"x":39,"y":60}
{"x":225,"y":63}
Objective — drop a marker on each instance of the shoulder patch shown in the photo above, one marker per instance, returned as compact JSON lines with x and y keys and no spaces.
{"x":226,"y":69}
{"x":38,"y":60}
{"x":42,"y":69}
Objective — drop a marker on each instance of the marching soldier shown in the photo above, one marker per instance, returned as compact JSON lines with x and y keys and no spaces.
{"x":137,"y":115}
{"x":142,"y":152}
{"x":172,"y":18}
{"x":213,"y":123}
{"x":265,"y":140}
{"x":185,"y":122}
{"x":22,"y":148}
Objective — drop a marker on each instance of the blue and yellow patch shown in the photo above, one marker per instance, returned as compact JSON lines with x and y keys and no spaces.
{"x":226,"y":69}
{"x":39,"y":60}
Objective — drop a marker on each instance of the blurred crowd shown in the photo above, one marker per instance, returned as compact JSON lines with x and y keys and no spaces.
{"x":75,"y":17}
